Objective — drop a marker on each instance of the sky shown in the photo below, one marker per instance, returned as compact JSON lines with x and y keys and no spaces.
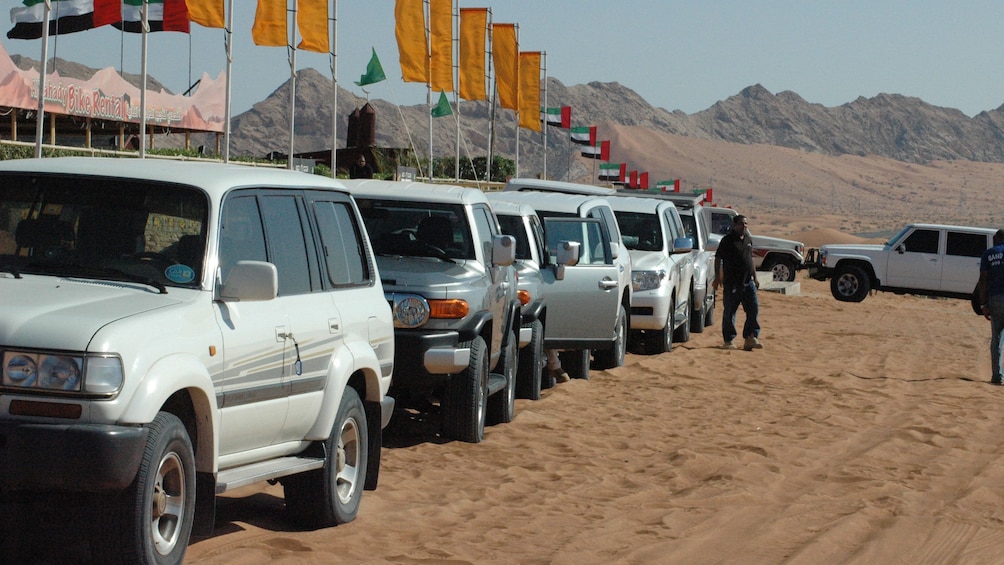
{"x":676,"y":54}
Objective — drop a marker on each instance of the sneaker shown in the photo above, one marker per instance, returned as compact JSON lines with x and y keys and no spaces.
{"x":559,"y":375}
{"x":752,"y":343}
{"x":730,"y":344}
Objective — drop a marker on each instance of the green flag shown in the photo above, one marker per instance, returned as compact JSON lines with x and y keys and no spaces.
{"x":374,"y":72}
{"x":443,"y":108}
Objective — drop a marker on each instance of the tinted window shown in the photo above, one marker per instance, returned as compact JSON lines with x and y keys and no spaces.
{"x":966,"y":244}
{"x":607,"y":215}
{"x":675,"y":223}
{"x":486,"y":227}
{"x":344,"y":254}
{"x":640,"y":231}
{"x":922,"y":241}
{"x":721,"y":222}
{"x":513,"y":225}
{"x":288,"y":243}
{"x":593,"y":249}
{"x":417,"y":229}
{"x":241,"y":235}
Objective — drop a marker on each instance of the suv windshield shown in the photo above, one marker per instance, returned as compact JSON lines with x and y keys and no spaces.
{"x":102,"y":228}
{"x":417,"y":229}
{"x":640,"y":231}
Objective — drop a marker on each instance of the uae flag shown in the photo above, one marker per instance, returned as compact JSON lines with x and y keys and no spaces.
{"x":669,"y":185}
{"x":558,"y":117}
{"x":163,"y":15}
{"x":643,"y":181}
{"x":601,"y":151}
{"x":584,"y":135}
{"x":633,"y":179}
{"x":65,"y":16}
{"x":611,"y":171}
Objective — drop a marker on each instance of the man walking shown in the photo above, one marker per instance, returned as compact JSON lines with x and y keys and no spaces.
{"x":991,"y":293}
{"x":734,"y":271}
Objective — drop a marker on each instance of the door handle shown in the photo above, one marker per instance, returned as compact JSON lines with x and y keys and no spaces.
{"x":607,"y":284}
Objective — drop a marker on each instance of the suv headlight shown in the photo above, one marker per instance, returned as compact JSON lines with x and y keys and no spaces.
{"x":27,"y":370}
{"x":410,"y":310}
{"x":647,"y":280}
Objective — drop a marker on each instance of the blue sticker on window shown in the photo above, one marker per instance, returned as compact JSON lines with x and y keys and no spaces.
{"x":179,"y":274}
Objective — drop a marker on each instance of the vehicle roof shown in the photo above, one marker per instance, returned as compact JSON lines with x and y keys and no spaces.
{"x":639,"y":204}
{"x":508,"y":207}
{"x":678,"y":198}
{"x":414,"y":191}
{"x":543,"y":185}
{"x":554,"y":201}
{"x":214,"y":178}
{"x":954,"y":227}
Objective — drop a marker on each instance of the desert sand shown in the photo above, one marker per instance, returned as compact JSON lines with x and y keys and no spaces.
{"x":862,"y":433}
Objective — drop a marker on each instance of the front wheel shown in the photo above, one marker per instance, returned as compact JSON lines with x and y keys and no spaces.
{"x":463,"y":413}
{"x":502,"y":404}
{"x":331,"y":495}
{"x":614,"y":357}
{"x":782,"y":269}
{"x":576,"y":363}
{"x":850,"y":284}
{"x":152,"y":521}
{"x":531,"y":364}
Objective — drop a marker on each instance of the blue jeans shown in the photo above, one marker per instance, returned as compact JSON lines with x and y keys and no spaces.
{"x":746,"y":296}
{"x":996,"y":334}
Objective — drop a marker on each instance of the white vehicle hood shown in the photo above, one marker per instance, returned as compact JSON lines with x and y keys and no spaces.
{"x":648,"y":260}
{"x":60,"y":313}
{"x":869,"y":249}
{"x":775,"y":242}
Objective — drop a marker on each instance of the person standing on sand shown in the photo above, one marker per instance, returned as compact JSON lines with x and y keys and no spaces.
{"x":991,"y":292}
{"x":735,"y":273}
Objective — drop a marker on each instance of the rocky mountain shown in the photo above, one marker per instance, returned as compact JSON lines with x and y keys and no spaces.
{"x":889,"y":125}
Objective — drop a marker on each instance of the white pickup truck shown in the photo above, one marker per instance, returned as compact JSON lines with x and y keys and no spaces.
{"x":925,"y":259}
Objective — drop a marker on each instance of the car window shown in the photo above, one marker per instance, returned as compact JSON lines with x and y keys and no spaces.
{"x":513,"y":225}
{"x":242,"y":237}
{"x":721,"y":222}
{"x":607,"y":215}
{"x":966,"y":244}
{"x":922,"y":241}
{"x":417,"y":229}
{"x":288,"y":240}
{"x":538,"y":237}
{"x":594,"y":249}
{"x":342,"y":244}
{"x":640,"y":231}
{"x":486,"y":226}
{"x":675,"y":223}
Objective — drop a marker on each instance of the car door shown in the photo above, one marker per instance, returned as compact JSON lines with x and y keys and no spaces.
{"x":961,"y":267}
{"x":915,"y":261}
{"x":255,"y":353}
{"x":582,"y":305}
{"x":486,"y":227}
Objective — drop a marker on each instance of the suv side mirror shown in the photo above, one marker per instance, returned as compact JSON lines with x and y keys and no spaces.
{"x":503,"y":250}
{"x":683,"y":245}
{"x":250,"y":281}
{"x":568,"y":255}
{"x":901,"y":248}
{"x":614,"y":249}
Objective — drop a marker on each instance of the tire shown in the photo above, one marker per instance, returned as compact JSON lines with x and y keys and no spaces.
{"x":464,"y":404}
{"x":658,"y":341}
{"x":331,"y":495}
{"x":850,"y":284}
{"x":709,"y":315}
{"x":502,"y":404}
{"x":682,"y":333}
{"x":576,"y":363}
{"x":696,"y":317}
{"x":614,"y":357}
{"x":530,"y":372}
{"x":782,"y":268}
{"x":151,"y":521}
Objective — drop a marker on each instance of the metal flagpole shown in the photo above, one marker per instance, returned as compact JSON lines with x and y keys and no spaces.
{"x":291,"y":35}
{"x":334,"y":87}
{"x":517,"y":100}
{"x":228,"y":35}
{"x":491,"y":101}
{"x":142,"y":88}
{"x":40,"y":118}
{"x":428,"y":77}
{"x":543,"y":63}
{"x":456,"y":83}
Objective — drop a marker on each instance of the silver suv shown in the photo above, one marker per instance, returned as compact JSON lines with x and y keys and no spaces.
{"x":171,"y":331}
{"x":447,"y":272}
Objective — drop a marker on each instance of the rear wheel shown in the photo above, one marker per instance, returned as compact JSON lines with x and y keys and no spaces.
{"x":614,"y":357}
{"x":502,"y":404}
{"x":782,"y":269}
{"x":531,"y":364}
{"x":575,"y":362}
{"x":463,"y":414}
{"x":850,"y":284}
{"x":331,"y":495}
{"x":659,"y":341}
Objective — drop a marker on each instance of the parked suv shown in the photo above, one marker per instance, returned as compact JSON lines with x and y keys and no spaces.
{"x":662,"y":272}
{"x":691,"y":209}
{"x":171,"y":331}
{"x":782,"y":257}
{"x":447,"y":271}
{"x":608,"y":310}
{"x":925,"y":259}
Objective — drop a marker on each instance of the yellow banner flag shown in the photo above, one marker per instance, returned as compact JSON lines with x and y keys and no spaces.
{"x":312,"y":20}
{"x":441,"y":45}
{"x":529,"y":90}
{"x":413,"y":53}
{"x":505,"y":55}
{"x":207,"y":13}
{"x":269,"y":29}
{"x":472,"y":68}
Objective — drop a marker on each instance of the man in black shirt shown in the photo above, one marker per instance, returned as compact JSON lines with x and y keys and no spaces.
{"x":735,"y":273}
{"x":361,"y":169}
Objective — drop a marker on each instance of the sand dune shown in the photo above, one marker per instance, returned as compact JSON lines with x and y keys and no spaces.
{"x":862,"y":433}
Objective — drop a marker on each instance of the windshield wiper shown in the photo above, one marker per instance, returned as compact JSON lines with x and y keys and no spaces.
{"x":101,"y":273}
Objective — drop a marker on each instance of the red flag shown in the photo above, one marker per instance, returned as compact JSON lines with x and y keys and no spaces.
{"x":566,"y":117}
{"x":633,"y":182}
{"x":643,"y":181}
{"x":623,"y":171}
{"x":604,"y":150}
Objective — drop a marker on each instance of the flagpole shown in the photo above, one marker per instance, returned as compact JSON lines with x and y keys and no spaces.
{"x":291,"y":34}
{"x":334,"y":87}
{"x":543,"y":62}
{"x":142,"y":91}
{"x":40,"y":118}
{"x":228,"y":35}
{"x":456,"y":83}
{"x":491,"y":99}
{"x":517,"y":100}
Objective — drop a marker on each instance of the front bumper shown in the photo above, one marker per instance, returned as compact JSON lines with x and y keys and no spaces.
{"x":820,"y":273}
{"x":72,"y":457}
{"x":650,"y":308}
{"x":419,"y":354}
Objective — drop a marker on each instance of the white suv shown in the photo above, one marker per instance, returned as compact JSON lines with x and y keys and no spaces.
{"x":171,"y":331}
